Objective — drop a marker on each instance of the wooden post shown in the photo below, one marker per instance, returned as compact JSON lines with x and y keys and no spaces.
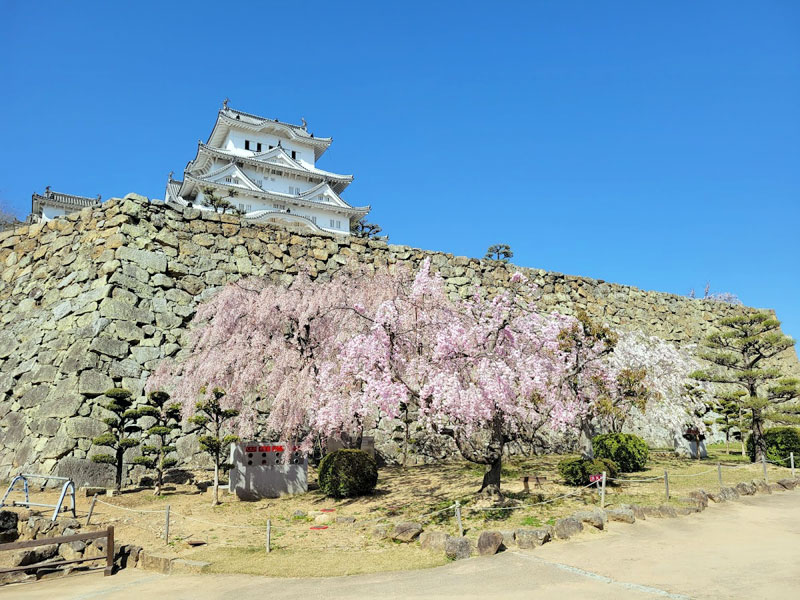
{"x":764,"y":467}
{"x":603,"y":492}
{"x":458,"y":518}
{"x":269,"y":534}
{"x":91,"y":509}
{"x":719,"y":475}
{"x":666,"y":483}
{"x":166,"y":525}
{"x":791,"y":462}
{"x":109,"y":570}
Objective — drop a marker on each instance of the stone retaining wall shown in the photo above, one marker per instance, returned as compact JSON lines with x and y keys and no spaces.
{"x":97,"y":298}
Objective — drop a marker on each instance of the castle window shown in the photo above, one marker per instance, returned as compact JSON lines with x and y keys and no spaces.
{"x":241,"y":207}
{"x":228,"y":179}
{"x":247,"y":144}
{"x":248,"y":207}
{"x":271,"y":147}
{"x":294,"y":154}
{"x":314,"y":219}
{"x":338,"y":224}
{"x":258,"y":147}
{"x":333,"y":223}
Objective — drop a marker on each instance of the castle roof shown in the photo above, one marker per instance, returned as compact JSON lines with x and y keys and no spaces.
{"x":274,"y":158}
{"x":229,"y":118}
{"x":60,"y":200}
{"x":215,"y":180}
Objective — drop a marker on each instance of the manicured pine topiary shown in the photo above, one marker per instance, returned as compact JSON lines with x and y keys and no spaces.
{"x":121,"y":425}
{"x":629,"y":452}
{"x":742,"y":353}
{"x":164,"y":430}
{"x":346,"y":473}
{"x":212,"y":418}
{"x":576,"y":471}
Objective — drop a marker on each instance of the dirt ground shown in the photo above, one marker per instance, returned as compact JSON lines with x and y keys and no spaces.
{"x":232,"y":536}
{"x":742,"y":549}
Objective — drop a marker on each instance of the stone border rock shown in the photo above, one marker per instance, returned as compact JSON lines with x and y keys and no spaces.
{"x":490,"y":542}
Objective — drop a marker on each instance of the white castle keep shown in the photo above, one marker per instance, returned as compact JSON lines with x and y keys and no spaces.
{"x":266,"y":170}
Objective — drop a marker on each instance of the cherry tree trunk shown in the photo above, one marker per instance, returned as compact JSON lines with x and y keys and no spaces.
{"x":492,"y":475}
{"x":585,"y":439}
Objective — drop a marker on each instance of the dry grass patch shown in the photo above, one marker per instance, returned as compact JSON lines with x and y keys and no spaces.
{"x":288,"y":562}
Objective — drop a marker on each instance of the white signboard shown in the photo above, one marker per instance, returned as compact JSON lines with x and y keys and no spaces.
{"x":262,"y":470}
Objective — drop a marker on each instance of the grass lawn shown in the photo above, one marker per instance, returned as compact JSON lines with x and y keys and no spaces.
{"x":233,"y":533}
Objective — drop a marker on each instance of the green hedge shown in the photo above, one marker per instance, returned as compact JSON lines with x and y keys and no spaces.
{"x":576,"y":471}
{"x":628,"y":451}
{"x":345,"y":473}
{"x":781,"y":441}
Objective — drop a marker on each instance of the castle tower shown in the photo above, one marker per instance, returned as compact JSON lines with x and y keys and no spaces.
{"x":266,"y":169}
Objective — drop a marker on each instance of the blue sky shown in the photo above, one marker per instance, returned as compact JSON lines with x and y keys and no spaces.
{"x":652,"y":144}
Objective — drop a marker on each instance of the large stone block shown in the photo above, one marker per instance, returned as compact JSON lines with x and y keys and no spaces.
{"x":531,"y":538}
{"x":433,"y":540}
{"x":113,"y":308}
{"x":406,"y":532}
{"x":109,"y":346}
{"x":94,"y":383}
{"x":86,"y":473}
{"x":84,"y":427}
{"x":155,"y":262}
{"x":567,"y":527}
{"x":489,"y":542}
{"x":458,"y":548}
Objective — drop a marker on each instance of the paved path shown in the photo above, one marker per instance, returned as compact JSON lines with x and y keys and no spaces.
{"x":744,"y":549}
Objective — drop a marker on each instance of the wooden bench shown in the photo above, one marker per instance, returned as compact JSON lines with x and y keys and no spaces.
{"x":537,"y":479}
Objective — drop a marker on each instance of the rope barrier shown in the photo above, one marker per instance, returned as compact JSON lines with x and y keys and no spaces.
{"x":636,"y":480}
{"x":691,"y":475}
{"x":132,"y":509}
{"x":436,"y":512}
{"x":218,"y":524}
{"x":594,"y":484}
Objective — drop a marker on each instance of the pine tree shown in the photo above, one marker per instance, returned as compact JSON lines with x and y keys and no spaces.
{"x":500,"y":252}
{"x":120,"y":426}
{"x":729,"y":421}
{"x":741,"y":352}
{"x":212,"y":418}
{"x":364,"y":229}
{"x":167,"y":425}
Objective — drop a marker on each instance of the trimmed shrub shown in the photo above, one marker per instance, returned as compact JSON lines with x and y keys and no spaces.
{"x":576,"y":471}
{"x":628,"y":451}
{"x":345,"y":473}
{"x":781,"y":441}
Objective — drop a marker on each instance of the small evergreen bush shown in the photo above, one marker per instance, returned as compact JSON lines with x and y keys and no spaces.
{"x":345,"y":473}
{"x":628,"y":451}
{"x":576,"y":471}
{"x":781,"y":441}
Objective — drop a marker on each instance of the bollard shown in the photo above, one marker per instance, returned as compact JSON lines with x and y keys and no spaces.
{"x":764,"y":467}
{"x":458,"y":518}
{"x":603,"y":491}
{"x":666,"y":483}
{"x":166,"y":525}
{"x":91,"y":509}
{"x":791,"y":461}
{"x":269,"y":534}
{"x":719,"y":474}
